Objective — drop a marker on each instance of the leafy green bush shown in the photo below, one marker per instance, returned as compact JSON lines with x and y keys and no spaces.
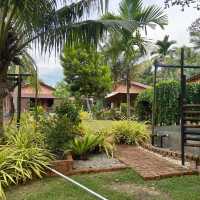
{"x":167,"y":102}
{"x":123,"y":109}
{"x":23,"y":156}
{"x":167,"y":108}
{"x":143,"y":105}
{"x":59,"y":129}
{"x":70,"y":111}
{"x":130,"y":132}
{"x":85,"y":115}
{"x":58,"y":132}
{"x":112,"y":114}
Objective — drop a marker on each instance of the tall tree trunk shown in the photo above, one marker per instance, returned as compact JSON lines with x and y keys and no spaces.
{"x":1,"y":117}
{"x":3,"y":93}
{"x":128,"y":84}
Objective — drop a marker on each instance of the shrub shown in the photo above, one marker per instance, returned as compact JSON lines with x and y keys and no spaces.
{"x":23,"y":156}
{"x":59,"y":129}
{"x":70,"y":111}
{"x":167,"y":102}
{"x":130,"y":132}
{"x":107,"y":142}
{"x":112,"y":114}
{"x":143,"y":105}
{"x":85,"y":115}
{"x":28,"y":132}
{"x":168,"y":109}
{"x":58,"y":132}
{"x":81,"y":146}
{"x":97,"y":109}
{"x":123,"y":109}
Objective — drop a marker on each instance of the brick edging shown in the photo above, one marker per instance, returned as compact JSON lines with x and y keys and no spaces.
{"x":96,"y":170}
{"x":66,"y":167}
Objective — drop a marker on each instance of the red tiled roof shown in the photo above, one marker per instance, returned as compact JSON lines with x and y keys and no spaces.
{"x":45,"y":91}
{"x":194,"y":78}
{"x":121,"y":88}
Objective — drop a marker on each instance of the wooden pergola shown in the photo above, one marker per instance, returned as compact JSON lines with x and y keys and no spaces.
{"x":189,"y":112}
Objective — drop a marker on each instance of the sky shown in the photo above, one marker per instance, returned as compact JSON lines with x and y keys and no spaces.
{"x":50,"y":70}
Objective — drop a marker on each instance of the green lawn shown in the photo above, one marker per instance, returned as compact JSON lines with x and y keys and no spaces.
{"x":123,"y":185}
{"x":97,"y":125}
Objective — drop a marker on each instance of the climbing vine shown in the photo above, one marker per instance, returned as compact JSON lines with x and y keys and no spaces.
{"x":167,"y":102}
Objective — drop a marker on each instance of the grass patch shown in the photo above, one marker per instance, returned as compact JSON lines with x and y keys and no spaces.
{"x":122,"y":185}
{"x":96,"y":125}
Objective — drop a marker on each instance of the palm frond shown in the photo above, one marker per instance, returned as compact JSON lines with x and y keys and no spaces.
{"x":87,"y":32}
{"x":153,"y":15}
{"x":149,"y":16}
{"x":130,"y":9}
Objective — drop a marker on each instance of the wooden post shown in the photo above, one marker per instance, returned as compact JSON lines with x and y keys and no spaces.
{"x":36,"y":96}
{"x":19,"y":100}
{"x":182,"y":97}
{"x":154,"y":101}
{"x":128,"y":93}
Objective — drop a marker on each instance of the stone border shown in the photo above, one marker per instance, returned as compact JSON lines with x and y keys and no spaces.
{"x":172,"y":154}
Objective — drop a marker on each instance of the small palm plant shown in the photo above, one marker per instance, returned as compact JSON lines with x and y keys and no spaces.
{"x":81,"y":146}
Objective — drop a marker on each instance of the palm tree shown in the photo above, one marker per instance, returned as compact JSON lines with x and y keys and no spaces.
{"x":195,"y":33}
{"x":132,"y":46}
{"x":48,"y":24}
{"x":164,"y":46}
{"x":195,"y":39}
{"x":165,"y":53}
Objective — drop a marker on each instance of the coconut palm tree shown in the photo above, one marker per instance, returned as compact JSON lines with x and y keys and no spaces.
{"x":128,"y":48}
{"x":194,"y":30}
{"x":48,"y":24}
{"x":164,"y":46}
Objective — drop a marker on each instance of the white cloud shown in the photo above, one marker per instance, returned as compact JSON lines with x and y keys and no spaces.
{"x":49,"y":67}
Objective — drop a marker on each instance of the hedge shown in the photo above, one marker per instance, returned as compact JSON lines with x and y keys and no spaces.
{"x":167,"y":102}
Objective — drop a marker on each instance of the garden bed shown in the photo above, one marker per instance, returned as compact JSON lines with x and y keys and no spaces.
{"x":95,"y":163}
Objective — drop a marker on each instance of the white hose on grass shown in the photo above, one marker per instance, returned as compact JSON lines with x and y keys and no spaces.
{"x":78,"y":184}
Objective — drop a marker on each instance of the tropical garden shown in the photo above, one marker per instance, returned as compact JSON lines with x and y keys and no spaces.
{"x":95,"y":53}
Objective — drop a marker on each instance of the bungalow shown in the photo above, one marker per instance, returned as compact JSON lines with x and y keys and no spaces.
{"x":194,"y":79}
{"x":119,"y":93}
{"x":46,"y":99}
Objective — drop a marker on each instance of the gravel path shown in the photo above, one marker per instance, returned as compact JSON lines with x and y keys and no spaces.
{"x":98,"y":161}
